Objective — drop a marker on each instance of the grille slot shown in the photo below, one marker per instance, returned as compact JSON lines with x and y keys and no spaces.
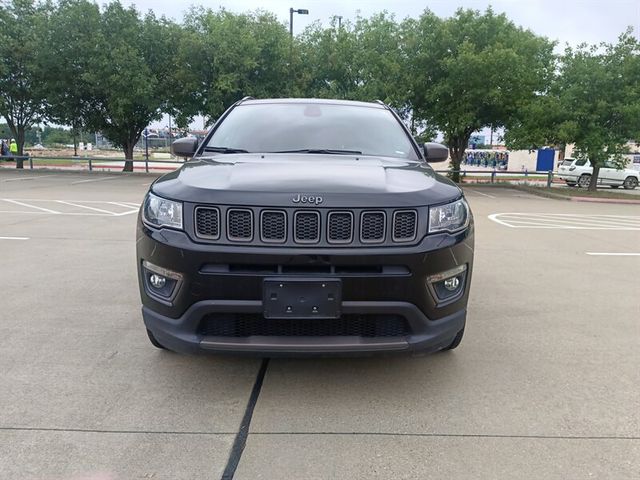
{"x":307,"y":227}
{"x":273,"y":226}
{"x":239,"y":225}
{"x":208,"y":223}
{"x":404,"y":225}
{"x":250,"y":324}
{"x":373,"y":227}
{"x":340,"y":229}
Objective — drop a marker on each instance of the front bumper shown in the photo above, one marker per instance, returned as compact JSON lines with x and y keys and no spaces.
{"x":225,"y":280}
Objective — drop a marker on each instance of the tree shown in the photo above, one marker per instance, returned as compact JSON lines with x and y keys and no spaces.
{"x":225,"y":57}
{"x":600,"y":91}
{"x":130,"y":76}
{"x":472,"y":71}
{"x":70,"y":44}
{"x":22,"y":76}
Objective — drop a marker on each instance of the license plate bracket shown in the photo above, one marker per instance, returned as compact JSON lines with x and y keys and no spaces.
{"x":301,"y":298}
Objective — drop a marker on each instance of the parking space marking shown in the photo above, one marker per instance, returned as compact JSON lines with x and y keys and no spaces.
{"x":613,"y":254}
{"x":480,"y":193}
{"x":28,"y":178}
{"x":14,"y":238}
{"x":16,"y":202}
{"x":87,"y":207}
{"x":567,"y":221}
{"x":92,"y":180}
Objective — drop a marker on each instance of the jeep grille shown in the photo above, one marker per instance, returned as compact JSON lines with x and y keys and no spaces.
{"x":291,"y":226}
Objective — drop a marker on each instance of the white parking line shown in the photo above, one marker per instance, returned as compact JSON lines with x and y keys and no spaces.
{"x":14,"y":238}
{"x":16,"y":202}
{"x":85,"y":206}
{"x":613,"y":254}
{"x":28,"y":178}
{"x":92,"y":180}
{"x":480,"y":193}
{"x":567,"y":221}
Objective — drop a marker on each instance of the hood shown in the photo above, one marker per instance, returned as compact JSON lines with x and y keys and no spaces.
{"x":276,"y":179}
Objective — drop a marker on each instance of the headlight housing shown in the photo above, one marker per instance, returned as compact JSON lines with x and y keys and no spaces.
{"x":451,"y":217}
{"x":160,"y":212}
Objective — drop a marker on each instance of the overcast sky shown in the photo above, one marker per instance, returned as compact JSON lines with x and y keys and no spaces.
{"x":571,"y":21}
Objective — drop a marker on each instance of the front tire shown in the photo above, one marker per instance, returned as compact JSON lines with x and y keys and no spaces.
{"x":630,"y":183}
{"x":584,"y":181}
{"x":154,"y":341}
{"x":456,"y":341}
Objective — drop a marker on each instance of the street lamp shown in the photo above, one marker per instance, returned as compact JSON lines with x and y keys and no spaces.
{"x":339,"y":22}
{"x":301,"y":11}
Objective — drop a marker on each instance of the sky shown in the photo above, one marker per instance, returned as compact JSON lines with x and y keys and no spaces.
{"x":567,"y":21}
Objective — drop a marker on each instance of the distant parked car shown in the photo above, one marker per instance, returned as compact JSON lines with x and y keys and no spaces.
{"x":578,"y":172}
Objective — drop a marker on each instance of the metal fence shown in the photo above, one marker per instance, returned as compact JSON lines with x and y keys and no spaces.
{"x":98,"y":163}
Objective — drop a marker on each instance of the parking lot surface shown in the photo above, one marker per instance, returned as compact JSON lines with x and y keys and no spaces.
{"x":546,"y":383}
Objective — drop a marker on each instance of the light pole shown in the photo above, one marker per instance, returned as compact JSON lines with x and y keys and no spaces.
{"x":301,"y":11}
{"x":339,"y":22}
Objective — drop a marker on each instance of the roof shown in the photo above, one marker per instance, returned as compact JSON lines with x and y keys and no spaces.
{"x":322,"y":101}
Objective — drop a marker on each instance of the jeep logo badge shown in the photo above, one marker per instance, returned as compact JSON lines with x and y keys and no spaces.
{"x":317,"y":200}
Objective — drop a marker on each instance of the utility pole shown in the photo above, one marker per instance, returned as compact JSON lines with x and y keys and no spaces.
{"x":339,"y":22}
{"x":301,"y":11}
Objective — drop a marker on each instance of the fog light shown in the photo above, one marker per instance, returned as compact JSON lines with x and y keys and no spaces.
{"x":157,"y":281}
{"x":451,"y":284}
{"x":447,"y":286}
{"x":160,"y":283}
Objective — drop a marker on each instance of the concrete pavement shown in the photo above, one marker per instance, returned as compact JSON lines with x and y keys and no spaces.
{"x":546,"y":383}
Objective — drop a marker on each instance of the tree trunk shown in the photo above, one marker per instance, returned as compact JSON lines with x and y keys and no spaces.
{"x":594,"y":179}
{"x":20,"y":141}
{"x":457,"y":147}
{"x":75,"y":142}
{"x":128,"y":155}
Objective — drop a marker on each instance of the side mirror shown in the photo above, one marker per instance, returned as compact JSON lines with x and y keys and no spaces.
{"x":435,"y":152}
{"x":184,"y":147}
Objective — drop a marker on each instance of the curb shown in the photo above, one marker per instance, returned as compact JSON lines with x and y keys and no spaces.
{"x":545,"y":194}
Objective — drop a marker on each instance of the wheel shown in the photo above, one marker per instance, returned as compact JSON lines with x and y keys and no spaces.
{"x":584,"y":180}
{"x":614,"y":186}
{"x":571,"y":184}
{"x":153,"y":340}
{"x":456,"y":341}
{"x":630,"y":183}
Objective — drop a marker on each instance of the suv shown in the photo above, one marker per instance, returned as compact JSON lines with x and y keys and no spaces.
{"x":578,"y":172}
{"x":305,"y":227}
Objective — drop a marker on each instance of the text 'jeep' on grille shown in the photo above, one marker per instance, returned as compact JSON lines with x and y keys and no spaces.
{"x":305,"y":227}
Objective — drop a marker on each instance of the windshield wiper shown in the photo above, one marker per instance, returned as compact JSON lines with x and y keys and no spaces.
{"x":225,"y":150}
{"x":327,"y":151}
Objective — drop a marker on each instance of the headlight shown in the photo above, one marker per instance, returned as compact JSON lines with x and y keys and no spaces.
{"x":451,"y":217}
{"x":161,"y":212}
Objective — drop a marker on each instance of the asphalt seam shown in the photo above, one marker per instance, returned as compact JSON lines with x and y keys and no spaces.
{"x":373,"y":434}
{"x":243,"y":432}
{"x":454,"y":435}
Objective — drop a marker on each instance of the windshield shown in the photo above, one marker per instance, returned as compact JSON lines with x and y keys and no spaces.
{"x":321,"y":128}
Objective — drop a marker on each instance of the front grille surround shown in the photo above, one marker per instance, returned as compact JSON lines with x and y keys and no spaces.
{"x":364,"y":228}
{"x":402,"y":219}
{"x":267,"y":226}
{"x":300,"y":234}
{"x":207,"y":222}
{"x":332,"y":226}
{"x":240,"y":220}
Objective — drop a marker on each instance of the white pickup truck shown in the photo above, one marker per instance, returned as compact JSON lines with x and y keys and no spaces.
{"x":578,"y":172}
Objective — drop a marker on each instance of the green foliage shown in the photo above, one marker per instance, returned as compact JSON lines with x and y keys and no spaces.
{"x":224,"y":57}
{"x":472,"y":70}
{"x":593,"y":101}
{"x":22,"y":92}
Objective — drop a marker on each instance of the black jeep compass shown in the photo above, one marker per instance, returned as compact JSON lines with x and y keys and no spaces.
{"x":305,"y":227}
